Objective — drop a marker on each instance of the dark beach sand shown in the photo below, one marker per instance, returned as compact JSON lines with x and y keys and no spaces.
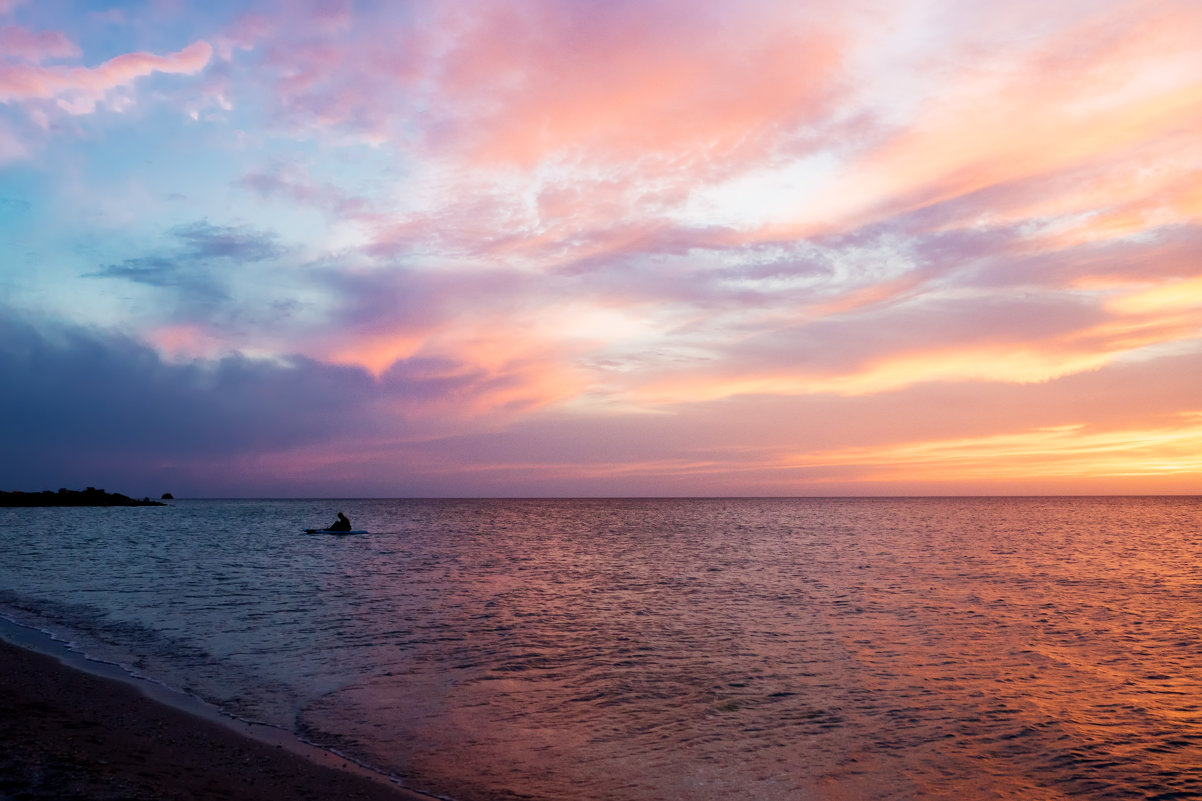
{"x":71,"y":735}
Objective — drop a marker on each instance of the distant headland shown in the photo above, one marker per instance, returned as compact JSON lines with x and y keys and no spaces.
{"x":65,"y":497}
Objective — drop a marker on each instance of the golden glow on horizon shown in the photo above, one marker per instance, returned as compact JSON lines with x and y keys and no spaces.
{"x":1050,"y":457}
{"x":1060,"y":451}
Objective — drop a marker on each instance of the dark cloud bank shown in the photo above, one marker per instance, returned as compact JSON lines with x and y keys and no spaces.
{"x":85,"y":407}
{"x":98,"y":407}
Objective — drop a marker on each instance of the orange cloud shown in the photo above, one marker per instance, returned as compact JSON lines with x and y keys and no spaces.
{"x":1005,"y":363}
{"x":490,"y":364}
{"x":1018,"y":361}
{"x":1069,"y":451}
{"x":1135,"y":79}
{"x":1168,"y":298}
{"x":375,"y":352}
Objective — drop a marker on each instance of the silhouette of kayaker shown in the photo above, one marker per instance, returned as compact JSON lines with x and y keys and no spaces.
{"x":341,"y":524}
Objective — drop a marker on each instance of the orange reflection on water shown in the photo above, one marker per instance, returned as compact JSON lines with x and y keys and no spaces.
{"x":776,"y":649}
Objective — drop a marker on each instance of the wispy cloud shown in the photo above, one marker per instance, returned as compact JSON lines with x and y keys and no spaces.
{"x":78,"y":90}
{"x":199,"y":267}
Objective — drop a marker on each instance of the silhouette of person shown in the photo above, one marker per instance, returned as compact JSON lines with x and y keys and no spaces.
{"x":341,"y":524}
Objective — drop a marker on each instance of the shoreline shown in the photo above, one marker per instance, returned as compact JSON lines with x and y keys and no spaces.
{"x":75,"y":729}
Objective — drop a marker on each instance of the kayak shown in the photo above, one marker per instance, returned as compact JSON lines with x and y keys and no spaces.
{"x":327,"y":531}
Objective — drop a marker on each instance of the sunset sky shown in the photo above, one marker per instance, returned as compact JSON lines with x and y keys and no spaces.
{"x":601,"y":247}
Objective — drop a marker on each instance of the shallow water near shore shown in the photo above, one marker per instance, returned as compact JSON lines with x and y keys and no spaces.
{"x":674,"y":649}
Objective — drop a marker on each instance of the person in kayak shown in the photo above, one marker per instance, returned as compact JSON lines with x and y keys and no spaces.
{"x":341,"y":524}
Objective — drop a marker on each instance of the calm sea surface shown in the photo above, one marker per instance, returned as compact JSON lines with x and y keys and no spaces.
{"x":643,"y":650}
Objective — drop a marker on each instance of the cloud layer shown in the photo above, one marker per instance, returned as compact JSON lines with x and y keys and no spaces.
{"x":593,"y":248}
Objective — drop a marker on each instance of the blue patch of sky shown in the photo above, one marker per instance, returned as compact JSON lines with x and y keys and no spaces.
{"x":105,"y":30}
{"x":28,"y":228}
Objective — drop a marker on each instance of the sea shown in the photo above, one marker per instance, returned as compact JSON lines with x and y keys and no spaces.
{"x":662,"y":649}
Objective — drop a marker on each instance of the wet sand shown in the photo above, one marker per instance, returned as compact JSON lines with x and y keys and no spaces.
{"x":70,"y":735}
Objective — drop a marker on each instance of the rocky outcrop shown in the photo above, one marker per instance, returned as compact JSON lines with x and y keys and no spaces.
{"x":65,"y":497}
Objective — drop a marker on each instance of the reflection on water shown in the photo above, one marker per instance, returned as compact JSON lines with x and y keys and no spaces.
{"x":678,"y":649}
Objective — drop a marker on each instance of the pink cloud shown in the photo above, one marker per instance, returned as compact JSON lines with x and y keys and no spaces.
{"x":81,"y":88}
{"x":21,"y":44}
{"x":514,"y":83}
{"x":625,"y":110}
{"x":628,"y":81}
{"x":616,"y":113}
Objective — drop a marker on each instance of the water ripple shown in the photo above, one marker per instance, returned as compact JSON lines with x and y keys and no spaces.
{"x":704,"y":649}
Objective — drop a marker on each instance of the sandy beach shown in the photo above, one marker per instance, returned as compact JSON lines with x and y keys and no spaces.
{"x":67,"y":734}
